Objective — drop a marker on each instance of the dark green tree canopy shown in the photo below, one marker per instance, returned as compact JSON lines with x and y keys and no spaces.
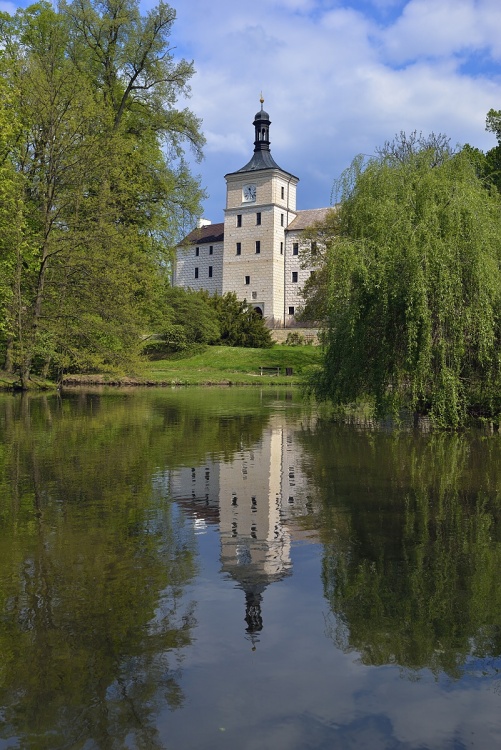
{"x":195,"y":317}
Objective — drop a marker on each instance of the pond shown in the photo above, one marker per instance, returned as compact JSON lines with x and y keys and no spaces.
{"x":230,"y":568}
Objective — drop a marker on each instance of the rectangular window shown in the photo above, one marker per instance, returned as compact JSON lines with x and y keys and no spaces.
{"x":196,"y":271}
{"x":197,"y":251}
{"x":291,"y":311}
{"x":239,"y":220}
{"x":211,"y":249}
{"x":239,"y":248}
{"x":313,"y":248}
{"x":294,"y":277}
{"x":254,"y":295}
{"x":258,"y":218}
{"x":258,"y":247}
{"x":282,"y":192}
{"x":210,"y":272}
{"x":281,"y":220}
{"x":247,"y":280}
{"x":295,"y":248}
{"x":281,"y":248}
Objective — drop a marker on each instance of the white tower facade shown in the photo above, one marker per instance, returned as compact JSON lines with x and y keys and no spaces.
{"x":260,"y":205}
{"x":256,"y":252}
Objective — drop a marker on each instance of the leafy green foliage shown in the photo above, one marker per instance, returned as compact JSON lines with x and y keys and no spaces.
{"x":239,"y":324}
{"x":101,"y":191}
{"x":192,"y":318}
{"x":414,"y":286}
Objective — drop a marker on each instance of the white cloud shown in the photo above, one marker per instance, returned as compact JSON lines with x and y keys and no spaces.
{"x":337,"y":80}
{"x":440,"y":28}
{"x":339,"y":77}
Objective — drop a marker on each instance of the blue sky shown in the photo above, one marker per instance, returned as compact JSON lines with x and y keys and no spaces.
{"x":339,"y":77}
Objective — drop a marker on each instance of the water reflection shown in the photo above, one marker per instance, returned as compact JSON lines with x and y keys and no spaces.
{"x":411,"y":528}
{"x":146,"y":538}
{"x":93,"y":566}
{"x":252,"y":497}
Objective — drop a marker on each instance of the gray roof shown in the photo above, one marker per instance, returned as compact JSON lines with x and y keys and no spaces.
{"x":308,"y":217}
{"x":261,"y":160}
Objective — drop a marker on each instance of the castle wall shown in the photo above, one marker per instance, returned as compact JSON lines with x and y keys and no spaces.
{"x":202,"y":270}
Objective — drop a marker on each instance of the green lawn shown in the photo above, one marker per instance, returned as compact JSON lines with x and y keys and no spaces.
{"x":224,"y":364}
{"x":215,"y":365}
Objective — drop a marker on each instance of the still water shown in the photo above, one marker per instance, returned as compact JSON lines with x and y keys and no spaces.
{"x":220,"y":569}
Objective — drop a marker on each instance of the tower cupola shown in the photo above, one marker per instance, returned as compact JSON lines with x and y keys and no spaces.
{"x":262,"y":129}
{"x":261,"y":158}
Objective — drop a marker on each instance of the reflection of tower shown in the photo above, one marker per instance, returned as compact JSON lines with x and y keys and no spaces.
{"x":253,"y":496}
{"x":255,"y":545}
{"x":253,"y":616}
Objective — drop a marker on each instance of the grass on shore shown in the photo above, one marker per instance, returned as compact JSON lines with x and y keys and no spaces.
{"x":223,"y":364}
{"x":219,"y":365}
{"x":214,"y":365}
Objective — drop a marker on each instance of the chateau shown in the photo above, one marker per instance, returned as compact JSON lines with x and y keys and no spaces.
{"x":256,"y":251}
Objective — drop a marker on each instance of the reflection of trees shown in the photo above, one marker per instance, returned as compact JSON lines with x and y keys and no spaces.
{"x":412,"y":536}
{"x":94,"y":562}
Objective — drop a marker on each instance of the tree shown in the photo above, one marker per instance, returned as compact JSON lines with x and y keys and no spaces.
{"x":190,"y":319}
{"x":492,"y":159}
{"x":414,"y":285}
{"x":105,"y":189}
{"x":10,"y":191}
{"x":195,"y":317}
{"x":239,"y":323}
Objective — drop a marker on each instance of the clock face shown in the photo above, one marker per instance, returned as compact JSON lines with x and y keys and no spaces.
{"x":249,"y":193}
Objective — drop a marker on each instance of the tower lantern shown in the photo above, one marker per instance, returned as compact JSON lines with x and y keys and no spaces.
{"x":262,"y":129}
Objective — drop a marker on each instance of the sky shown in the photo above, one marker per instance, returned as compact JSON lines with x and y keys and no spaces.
{"x":339,"y":78}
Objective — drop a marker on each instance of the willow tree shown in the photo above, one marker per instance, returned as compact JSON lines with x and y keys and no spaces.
{"x":414,"y":285}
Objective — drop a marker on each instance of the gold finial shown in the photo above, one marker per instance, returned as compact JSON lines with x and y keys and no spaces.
{"x":261,"y":100}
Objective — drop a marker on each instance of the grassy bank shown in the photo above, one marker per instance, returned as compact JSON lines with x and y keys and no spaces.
{"x":221,"y":365}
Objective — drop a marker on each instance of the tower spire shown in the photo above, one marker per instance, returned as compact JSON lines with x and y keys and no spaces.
{"x":262,"y":129}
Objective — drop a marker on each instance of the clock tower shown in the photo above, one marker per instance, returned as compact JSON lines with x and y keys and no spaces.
{"x":260,"y":204}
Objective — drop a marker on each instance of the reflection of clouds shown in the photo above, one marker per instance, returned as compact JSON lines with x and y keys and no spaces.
{"x":296,"y":690}
{"x":424,"y":714}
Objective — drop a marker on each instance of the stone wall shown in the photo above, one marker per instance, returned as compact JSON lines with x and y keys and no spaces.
{"x":279,"y":335}
{"x":200,"y":267}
